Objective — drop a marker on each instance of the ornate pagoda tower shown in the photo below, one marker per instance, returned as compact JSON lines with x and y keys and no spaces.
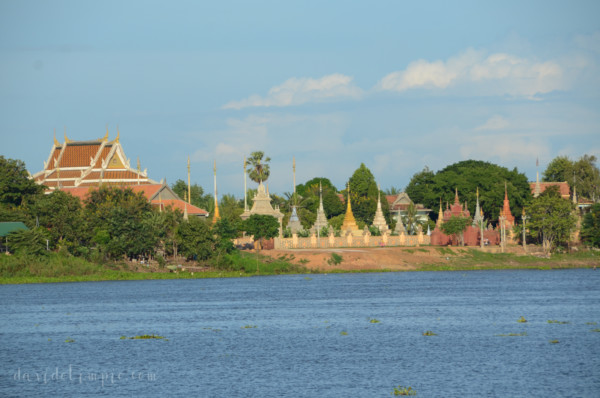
{"x":349,"y":224}
{"x":379,"y":219}
{"x":477,"y":219}
{"x":321,"y":221}
{"x":294,"y":223}
{"x":510,"y":219}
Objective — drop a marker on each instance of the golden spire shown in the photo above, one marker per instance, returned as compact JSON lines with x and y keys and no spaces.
{"x":56,"y":143}
{"x":138,"y":170}
{"x":105,"y":138}
{"x":189,"y":184}
{"x":349,"y":223}
{"x":118,"y":135}
{"x":216,"y":216}
{"x":440,"y":219}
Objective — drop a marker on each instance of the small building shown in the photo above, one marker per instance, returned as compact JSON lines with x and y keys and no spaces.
{"x":5,"y":229}
{"x":399,"y":204}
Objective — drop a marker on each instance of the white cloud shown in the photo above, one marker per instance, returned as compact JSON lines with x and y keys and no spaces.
{"x":496,"y":122}
{"x":495,"y":74}
{"x":297,"y":91}
{"x":505,"y":148}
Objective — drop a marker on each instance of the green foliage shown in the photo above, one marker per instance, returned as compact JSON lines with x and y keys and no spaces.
{"x":198,"y":198}
{"x":335,"y":259}
{"x":62,"y":215}
{"x":261,"y":227}
{"x":195,"y":239}
{"x":427,"y":188}
{"x":582,"y":174}
{"x":258,"y":169}
{"x":15,"y":185}
{"x":551,"y":219}
{"x":120,"y":218}
{"x":31,"y":242}
{"x":590,"y":229}
{"x":456,"y":226}
{"x":364,"y":194}
{"x":225,"y":231}
{"x":401,"y":390}
{"x":410,"y":219}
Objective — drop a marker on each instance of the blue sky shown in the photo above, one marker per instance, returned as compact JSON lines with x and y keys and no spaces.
{"x":395,"y":85}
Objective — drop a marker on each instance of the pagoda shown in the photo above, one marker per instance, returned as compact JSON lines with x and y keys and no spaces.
{"x":262,"y":205}
{"x":478,"y":218}
{"x":294,"y":223}
{"x":321,"y":221}
{"x":349,"y":225}
{"x":379,"y":219}
{"x":89,"y":163}
{"x":505,"y":211}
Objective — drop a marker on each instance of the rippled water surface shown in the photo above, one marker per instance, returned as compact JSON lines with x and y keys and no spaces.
{"x":306,"y":336}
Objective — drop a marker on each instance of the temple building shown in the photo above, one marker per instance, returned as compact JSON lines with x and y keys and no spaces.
{"x":399,"y":205}
{"x":505,"y":212}
{"x":89,"y":163}
{"x":349,"y":226}
{"x":262,"y":205}
{"x":77,"y":167}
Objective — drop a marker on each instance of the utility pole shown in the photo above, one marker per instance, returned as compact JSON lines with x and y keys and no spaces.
{"x":524,"y":217}
{"x":502,"y":236}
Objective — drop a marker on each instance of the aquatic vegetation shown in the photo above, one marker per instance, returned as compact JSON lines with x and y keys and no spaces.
{"x":343,"y":333}
{"x":401,"y":390}
{"x":373,"y":320}
{"x":249,"y":327}
{"x":429,"y":333}
{"x":308,"y":278}
{"x":521,"y":320}
{"x":559,"y":322}
{"x":513,"y":334}
{"x":591,"y":323}
{"x":69,"y":340}
{"x":596,"y":330}
{"x":554,"y":341}
{"x":144,"y":337}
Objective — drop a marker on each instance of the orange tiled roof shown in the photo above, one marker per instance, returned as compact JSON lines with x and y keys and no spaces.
{"x":79,"y":155}
{"x":103,"y":156}
{"x":119,"y":174}
{"x":80,"y":192}
{"x":181,"y":205}
{"x":149,"y":190}
{"x":65,"y":174}
{"x":563,"y":186}
{"x":53,"y":158}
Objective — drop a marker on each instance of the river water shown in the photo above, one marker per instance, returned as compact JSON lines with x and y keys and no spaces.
{"x":339,"y":335}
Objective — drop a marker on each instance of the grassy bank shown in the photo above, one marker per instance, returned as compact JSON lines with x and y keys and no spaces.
{"x":59,"y":268}
{"x":475,"y":259}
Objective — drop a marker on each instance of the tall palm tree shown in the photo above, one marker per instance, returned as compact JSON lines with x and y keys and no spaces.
{"x":258,"y":169}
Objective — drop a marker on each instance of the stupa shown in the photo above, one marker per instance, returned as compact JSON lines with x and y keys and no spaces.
{"x":321,"y":221}
{"x":379,"y":219}
{"x":349,"y":225}
{"x":262,"y":205}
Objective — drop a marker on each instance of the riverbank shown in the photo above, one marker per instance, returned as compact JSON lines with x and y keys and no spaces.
{"x":57,"y":268}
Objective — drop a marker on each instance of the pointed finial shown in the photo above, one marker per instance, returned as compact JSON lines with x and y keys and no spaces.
{"x":477,"y":192}
{"x":294,"y":161}
{"x":188,"y":163}
{"x":67,"y":140}
{"x":138,"y":164}
{"x":56,"y":143}
{"x":105,"y":138}
{"x":118,"y":135}
{"x":505,"y":190}
{"x":215,"y":166}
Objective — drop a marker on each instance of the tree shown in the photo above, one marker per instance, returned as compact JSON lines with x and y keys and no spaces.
{"x":116,"y":220}
{"x":195,"y":239}
{"x":590,"y":230}
{"x":15,"y":185}
{"x":364,"y":195}
{"x":551,"y":219}
{"x":466,"y":176}
{"x":30,"y":241}
{"x":455,"y":227}
{"x":258,"y":169}
{"x":62,"y":215}
{"x":411,"y":220}
{"x":261,"y":227}
{"x":582,"y":175}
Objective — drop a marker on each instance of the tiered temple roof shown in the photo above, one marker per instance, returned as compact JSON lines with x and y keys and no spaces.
{"x":89,"y":163}
{"x":262,"y":205}
{"x":78,"y":167}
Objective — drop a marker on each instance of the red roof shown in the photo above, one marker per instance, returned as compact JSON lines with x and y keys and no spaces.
{"x":563,"y":186}
{"x":79,"y":155}
{"x":149,"y":190}
{"x":181,"y":205}
{"x":80,"y":192}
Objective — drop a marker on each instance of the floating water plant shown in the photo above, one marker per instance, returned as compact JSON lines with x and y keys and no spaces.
{"x":69,"y":340}
{"x":513,"y":334}
{"x":308,"y":278}
{"x":559,"y":322}
{"x":521,"y":320}
{"x":553,"y":341}
{"x":144,"y":337}
{"x":401,"y":390}
{"x":344,"y":333}
{"x":429,"y":333}
{"x":591,"y":323}
{"x":373,"y":320}
{"x":596,"y":330}
{"x":249,"y":327}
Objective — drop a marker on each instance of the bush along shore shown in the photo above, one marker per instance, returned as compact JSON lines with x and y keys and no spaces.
{"x":60,"y":267}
